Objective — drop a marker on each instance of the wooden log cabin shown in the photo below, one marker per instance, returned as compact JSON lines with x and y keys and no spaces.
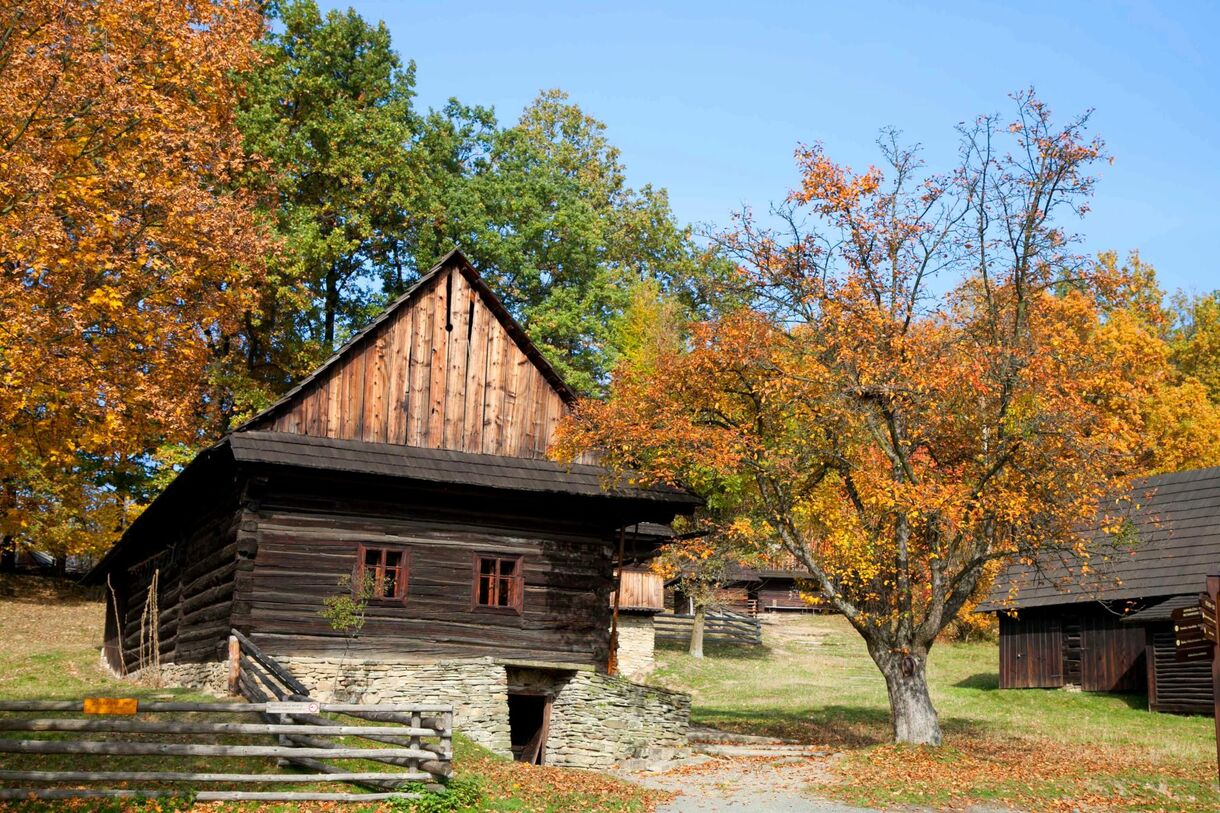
{"x":414,"y":457}
{"x":1108,"y":627}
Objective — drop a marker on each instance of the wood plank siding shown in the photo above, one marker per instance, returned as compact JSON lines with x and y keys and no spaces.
{"x":443,"y":370}
{"x":1084,"y":645}
{"x":1031,"y":651}
{"x":642,"y":590}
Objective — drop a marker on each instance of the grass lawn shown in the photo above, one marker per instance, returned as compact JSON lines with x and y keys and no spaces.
{"x":1034,"y":749}
{"x":49,"y":650}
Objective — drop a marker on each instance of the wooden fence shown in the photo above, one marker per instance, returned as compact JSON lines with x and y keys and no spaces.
{"x":718,"y":626}
{"x":415,"y":740}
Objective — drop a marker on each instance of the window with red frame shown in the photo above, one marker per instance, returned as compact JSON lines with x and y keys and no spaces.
{"x":389,"y":569}
{"x":499,"y":583}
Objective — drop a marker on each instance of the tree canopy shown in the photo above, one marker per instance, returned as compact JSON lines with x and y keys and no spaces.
{"x":925,"y":380}
{"x":128,"y":250}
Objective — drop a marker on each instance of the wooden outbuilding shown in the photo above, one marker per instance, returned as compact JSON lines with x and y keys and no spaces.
{"x":1103,"y":623}
{"x":415,"y":459}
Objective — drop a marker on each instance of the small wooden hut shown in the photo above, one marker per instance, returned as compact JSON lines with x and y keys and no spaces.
{"x":1107,"y":627}
{"x":415,"y":459}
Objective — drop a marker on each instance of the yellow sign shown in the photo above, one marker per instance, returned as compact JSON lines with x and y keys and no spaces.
{"x":111,"y":705}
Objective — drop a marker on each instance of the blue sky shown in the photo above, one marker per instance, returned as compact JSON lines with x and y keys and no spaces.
{"x":708,"y":99}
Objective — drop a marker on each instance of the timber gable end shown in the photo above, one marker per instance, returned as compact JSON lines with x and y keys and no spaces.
{"x":444,"y":367}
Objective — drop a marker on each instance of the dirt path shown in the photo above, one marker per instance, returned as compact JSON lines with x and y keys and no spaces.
{"x":735,"y":784}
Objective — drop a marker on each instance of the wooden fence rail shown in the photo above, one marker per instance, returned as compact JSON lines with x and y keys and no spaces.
{"x":414,"y":740}
{"x":721,"y":626}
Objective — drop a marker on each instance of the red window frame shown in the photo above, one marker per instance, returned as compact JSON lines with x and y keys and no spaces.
{"x":401,"y":571}
{"x":503,"y":593}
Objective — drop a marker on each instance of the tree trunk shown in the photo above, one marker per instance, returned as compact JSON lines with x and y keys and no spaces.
{"x":696,"y":632}
{"x":331,"y":307}
{"x":8,"y":555}
{"x":912,"y":715}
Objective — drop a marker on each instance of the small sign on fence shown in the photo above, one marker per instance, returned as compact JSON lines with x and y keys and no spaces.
{"x":290,"y":707}
{"x":110,"y":705}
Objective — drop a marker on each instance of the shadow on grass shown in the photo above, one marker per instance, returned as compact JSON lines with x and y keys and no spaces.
{"x":836,"y":726}
{"x":31,"y":589}
{"x":1139,"y":702}
{"x":722,"y":650}
{"x":987,"y":681}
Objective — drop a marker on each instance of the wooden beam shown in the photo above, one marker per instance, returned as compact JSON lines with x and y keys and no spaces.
{"x":126,"y":726}
{"x":328,"y":773}
{"x":9,"y":794}
{"x":193,"y":750}
{"x":342,"y":708}
{"x":271,"y":664}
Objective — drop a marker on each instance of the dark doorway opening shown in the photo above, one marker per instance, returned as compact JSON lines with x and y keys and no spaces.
{"x":529,"y":717}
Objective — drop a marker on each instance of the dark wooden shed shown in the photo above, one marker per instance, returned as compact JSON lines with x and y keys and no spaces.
{"x":1103,"y":622}
{"x":416,"y":455}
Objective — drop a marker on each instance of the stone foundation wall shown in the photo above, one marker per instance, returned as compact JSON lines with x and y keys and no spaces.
{"x":477,"y":689}
{"x":596,"y":720}
{"x":636,"y":642}
{"x":210,"y":678}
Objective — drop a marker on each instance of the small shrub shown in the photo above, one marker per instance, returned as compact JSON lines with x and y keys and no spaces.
{"x":459,"y":794}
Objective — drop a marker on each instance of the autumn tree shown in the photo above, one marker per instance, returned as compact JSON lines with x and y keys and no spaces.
{"x":126,"y":251}
{"x":917,"y":389}
{"x":1195,"y":339}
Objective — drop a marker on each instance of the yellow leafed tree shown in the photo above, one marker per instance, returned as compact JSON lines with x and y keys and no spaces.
{"x":128,"y":252}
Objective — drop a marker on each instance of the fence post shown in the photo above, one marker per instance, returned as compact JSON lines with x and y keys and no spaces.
{"x":234,"y":664}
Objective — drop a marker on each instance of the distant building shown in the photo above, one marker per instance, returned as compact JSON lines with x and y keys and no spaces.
{"x":1108,"y":627}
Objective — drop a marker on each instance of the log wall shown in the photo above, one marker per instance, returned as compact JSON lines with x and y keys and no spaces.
{"x":303,"y":537}
{"x":1176,"y":687}
{"x":441,"y":371}
{"x":195,"y":575}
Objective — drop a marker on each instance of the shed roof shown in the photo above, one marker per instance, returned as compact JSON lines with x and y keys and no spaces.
{"x":445,"y":466}
{"x":1162,"y":610}
{"x":1176,"y":522}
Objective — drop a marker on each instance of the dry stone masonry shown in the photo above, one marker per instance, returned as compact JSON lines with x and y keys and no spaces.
{"x":636,"y":641}
{"x":596,"y":721}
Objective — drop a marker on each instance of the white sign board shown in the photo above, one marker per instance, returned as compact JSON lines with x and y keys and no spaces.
{"x":291,"y":708}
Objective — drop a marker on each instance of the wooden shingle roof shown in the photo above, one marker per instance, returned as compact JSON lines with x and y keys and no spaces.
{"x":445,"y":466}
{"x":1173,"y":546}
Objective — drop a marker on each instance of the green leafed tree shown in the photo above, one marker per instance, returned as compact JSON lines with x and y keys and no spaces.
{"x":330,"y":110}
{"x":545,"y":212}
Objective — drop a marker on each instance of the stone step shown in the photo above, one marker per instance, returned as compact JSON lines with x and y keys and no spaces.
{"x":808,"y":751}
{"x":705,"y":734}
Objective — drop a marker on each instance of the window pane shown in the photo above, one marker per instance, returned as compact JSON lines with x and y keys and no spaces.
{"x":507,"y":566}
{"x":372,"y":557}
{"x":388,"y":583}
{"x":487,"y":567}
{"x":393,"y":558}
{"x":504,"y":599}
{"x":485,"y":584}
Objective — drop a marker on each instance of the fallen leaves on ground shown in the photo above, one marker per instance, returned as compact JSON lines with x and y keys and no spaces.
{"x":542,"y":789}
{"x":1033,"y":774}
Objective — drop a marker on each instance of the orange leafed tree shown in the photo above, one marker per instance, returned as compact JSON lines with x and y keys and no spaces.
{"x":922,"y":384}
{"x":127,"y":250}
